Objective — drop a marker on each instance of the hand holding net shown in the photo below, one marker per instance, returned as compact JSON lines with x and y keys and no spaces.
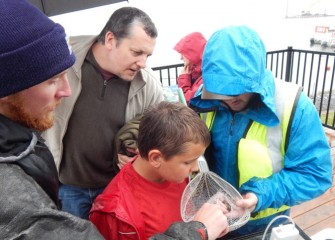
{"x":207,"y":186}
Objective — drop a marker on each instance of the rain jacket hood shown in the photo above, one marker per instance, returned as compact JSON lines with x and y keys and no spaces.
{"x":192,"y":47}
{"x":234,"y":65}
{"x":24,"y":147}
{"x":16,"y":145}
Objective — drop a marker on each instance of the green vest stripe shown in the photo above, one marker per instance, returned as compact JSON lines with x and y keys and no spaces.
{"x":208,"y":117}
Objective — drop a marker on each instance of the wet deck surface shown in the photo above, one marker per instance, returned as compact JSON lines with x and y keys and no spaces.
{"x":318,"y":214}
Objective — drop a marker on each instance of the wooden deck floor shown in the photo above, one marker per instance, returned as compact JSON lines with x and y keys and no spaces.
{"x":318,"y":214}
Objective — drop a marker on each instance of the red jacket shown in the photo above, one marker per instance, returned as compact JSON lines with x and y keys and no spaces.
{"x":114,"y":210}
{"x":119,"y":212}
{"x":184,"y":82}
{"x":192,"y":47}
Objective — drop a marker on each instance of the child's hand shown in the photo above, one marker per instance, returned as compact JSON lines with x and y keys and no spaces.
{"x":186,"y":69}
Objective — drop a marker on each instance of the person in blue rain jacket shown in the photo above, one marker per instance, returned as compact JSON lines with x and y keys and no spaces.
{"x":267,"y":137}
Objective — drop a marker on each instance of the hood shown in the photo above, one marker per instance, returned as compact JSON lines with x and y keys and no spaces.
{"x":16,"y":141}
{"x":192,"y":47}
{"x":234,"y":62}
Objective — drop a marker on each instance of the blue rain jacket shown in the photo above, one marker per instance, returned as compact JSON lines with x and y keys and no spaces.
{"x":234,"y":63}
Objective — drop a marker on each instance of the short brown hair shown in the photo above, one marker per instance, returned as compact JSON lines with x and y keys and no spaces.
{"x":168,"y":127}
{"x":122,"y":21}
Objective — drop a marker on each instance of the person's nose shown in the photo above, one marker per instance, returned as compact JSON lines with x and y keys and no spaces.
{"x":142,"y":61}
{"x":64,"y":87}
{"x":195,"y":167}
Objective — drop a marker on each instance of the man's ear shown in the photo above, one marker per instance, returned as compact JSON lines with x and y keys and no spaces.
{"x":110,"y":40}
{"x":155,"y":158}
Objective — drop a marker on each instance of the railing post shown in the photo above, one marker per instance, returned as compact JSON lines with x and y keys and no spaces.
{"x":289,"y":61}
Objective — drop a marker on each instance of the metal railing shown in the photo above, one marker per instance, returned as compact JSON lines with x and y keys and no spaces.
{"x":313,"y":70}
{"x":168,"y":75}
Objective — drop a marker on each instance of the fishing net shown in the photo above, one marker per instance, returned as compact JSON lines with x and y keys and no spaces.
{"x":207,"y":186}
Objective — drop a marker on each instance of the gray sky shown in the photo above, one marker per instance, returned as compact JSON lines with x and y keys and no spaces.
{"x":176,"y":18}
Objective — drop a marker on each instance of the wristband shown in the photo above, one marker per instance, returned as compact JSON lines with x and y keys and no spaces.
{"x":202,"y":230}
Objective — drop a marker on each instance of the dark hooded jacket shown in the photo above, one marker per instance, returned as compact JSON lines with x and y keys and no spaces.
{"x":29,"y":190}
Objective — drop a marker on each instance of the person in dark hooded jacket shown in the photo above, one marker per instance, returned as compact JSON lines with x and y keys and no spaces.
{"x":191,"y":48}
{"x":33,"y":63}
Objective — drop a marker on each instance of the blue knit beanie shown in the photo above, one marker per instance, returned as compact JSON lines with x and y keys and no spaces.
{"x":33,"y":48}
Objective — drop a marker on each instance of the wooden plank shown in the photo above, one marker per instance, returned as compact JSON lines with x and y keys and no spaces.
{"x":319,"y":213}
{"x":316,"y":215}
{"x":326,"y":223}
{"x":312,"y":204}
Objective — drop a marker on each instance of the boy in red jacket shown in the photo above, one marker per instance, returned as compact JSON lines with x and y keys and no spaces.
{"x":144,"y":198}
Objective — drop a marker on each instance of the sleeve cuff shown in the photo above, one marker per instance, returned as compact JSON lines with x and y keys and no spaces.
{"x":202,"y":230}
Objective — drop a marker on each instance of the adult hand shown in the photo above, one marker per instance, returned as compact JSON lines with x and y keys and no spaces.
{"x":124,"y":159}
{"x":213,"y":217}
{"x":249,"y":201}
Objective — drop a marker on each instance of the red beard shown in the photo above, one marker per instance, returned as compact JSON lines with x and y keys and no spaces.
{"x":19,"y":114}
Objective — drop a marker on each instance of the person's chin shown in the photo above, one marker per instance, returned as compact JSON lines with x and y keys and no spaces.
{"x":128,"y":78}
{"x":181,"y":180}
{"x":236,"y":107}
{"x":130,"y":75}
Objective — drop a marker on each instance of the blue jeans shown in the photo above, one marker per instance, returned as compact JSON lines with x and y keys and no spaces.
{"x":78,"y":201}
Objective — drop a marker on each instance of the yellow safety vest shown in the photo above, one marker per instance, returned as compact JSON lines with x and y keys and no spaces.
{"x":267,"y":143}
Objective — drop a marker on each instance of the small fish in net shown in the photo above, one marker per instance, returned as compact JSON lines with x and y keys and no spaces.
{"x":207,"y":186}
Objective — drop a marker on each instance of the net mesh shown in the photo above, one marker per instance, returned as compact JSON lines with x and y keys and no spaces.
{"x":209,"y":187}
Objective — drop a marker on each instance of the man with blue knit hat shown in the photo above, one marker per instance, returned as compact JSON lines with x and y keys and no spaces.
{"x":267,"y":138}
{"x":34,"y":58}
